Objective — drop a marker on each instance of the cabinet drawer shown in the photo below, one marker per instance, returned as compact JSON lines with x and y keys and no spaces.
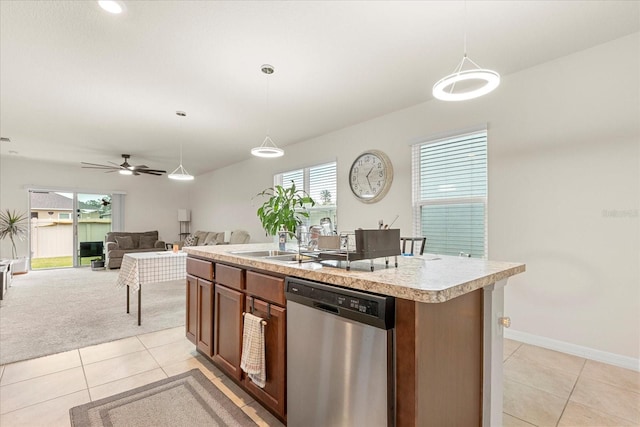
{"x":200,"y":268}
{"x":230,"y":276}
{"x":267,"y":287}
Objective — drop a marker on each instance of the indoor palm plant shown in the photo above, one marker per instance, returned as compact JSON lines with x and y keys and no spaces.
{"x":13,"y":224}
{"x":284,"y":209}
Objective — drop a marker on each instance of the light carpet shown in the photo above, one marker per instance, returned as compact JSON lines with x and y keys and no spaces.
{"x":188,"y":399}
{"x":50,"y":311}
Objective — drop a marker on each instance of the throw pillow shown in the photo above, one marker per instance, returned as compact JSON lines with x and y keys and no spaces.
{"x":124,"y":242}
{"x":210,"y":239}
{"x":147,"y":242}
{"x":191,"y":240}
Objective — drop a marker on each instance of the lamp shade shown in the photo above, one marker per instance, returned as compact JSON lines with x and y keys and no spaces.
{"x":184,"y":215}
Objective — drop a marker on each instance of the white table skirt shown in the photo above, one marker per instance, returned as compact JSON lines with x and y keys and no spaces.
{"x":142,"y":268}
{"x":151,"y":267}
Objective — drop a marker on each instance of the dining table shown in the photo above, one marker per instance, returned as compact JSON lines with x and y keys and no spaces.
{"x":145,"y":268}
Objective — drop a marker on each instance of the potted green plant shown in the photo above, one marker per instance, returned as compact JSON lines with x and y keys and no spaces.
{"x":283,"y":211}
{"x":14,"y":225}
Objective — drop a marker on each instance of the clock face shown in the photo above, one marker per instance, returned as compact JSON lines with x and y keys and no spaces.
{"x":371,"y":176}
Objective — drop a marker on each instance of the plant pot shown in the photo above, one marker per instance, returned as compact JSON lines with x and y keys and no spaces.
{"x":19,"y":266}
{"x":97,"y":264}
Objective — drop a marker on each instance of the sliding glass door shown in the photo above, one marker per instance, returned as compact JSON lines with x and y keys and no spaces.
{"x":67,"y":229}
{"x":93,"y":222}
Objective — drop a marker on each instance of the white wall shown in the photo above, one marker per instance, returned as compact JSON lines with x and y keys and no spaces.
{"x":564,"y":154}
{"x":563,"y":150}
{"x":151,"y":202}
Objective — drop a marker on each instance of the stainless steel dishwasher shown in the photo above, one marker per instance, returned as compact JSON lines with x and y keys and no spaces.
{"x":339,"y":356}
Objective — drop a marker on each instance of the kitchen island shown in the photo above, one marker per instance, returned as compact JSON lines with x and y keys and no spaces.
{"x":448,"y":330}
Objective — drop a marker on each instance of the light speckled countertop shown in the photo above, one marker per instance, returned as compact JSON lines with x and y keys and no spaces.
{"x":426,"y":278}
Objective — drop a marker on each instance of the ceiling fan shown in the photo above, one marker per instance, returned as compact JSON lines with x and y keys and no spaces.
{"x":124,"y":168}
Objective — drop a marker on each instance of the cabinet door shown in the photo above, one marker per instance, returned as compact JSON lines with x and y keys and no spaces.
{"x":228,"y":330}
{"x":192,"y":308}
{"x":274,"y":393}
{"x":204,"y":330}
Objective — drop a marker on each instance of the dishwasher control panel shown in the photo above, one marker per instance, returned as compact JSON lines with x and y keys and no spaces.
{"x":377,"y":310}
{"x":360,"y":305}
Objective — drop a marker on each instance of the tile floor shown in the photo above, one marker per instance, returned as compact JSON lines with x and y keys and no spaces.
{"x":541,"y":387}
{"x":39,"y":392}
{"x":547,"y":388}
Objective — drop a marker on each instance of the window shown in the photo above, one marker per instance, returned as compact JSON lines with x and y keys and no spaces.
{"x":64,"y":215}
{"x":450,"y":194}
{"x":321,"y":184}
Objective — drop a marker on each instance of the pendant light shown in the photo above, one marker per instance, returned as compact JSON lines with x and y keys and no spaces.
{"x":181,"y":173}
{"x":444,"y":89}
{"x":112,"y":6}
{"x":268,"y":148}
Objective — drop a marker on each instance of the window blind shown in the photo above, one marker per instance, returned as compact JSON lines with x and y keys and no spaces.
{"x":320,"y":182}
{"x":450,"y":194}
{"x":297,"y":177}
{"x":323,"y":184}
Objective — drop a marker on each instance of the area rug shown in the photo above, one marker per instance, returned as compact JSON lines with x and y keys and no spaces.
{"x":51,"y":311}
{"x":188,"y":399}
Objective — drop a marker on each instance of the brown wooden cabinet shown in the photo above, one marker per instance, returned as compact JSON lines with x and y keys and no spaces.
{"x":204,"y":329}
{"x":192,"y":308}
{"x":273,"y":394}
{"x":199,"y":299}
{"x":227,"y":341}
{"x":214,"y":323}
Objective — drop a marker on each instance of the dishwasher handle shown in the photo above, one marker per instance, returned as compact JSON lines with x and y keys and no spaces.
{"x":326,"y":307}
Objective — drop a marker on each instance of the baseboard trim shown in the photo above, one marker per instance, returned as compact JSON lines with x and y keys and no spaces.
{"x":576,"y":350}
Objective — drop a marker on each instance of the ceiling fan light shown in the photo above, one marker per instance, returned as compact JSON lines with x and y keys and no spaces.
{"x":181,"y":174}
{"x":125,"y":172}
{"x":268,"y":149}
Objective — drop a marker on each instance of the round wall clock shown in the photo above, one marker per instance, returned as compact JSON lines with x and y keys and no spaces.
{"x":370,"y":176}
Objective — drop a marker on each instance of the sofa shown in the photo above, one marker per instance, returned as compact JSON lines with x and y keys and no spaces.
{"x":119,"y":243}
{"x":208,"y":238}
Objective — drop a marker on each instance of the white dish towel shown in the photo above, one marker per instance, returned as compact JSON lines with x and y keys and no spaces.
{"x":253,"y":360}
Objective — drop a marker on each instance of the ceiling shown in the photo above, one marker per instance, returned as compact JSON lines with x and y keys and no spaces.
{"x":79,"y":84}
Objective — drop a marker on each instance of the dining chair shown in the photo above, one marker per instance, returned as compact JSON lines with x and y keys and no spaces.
{"x":420,"y":240}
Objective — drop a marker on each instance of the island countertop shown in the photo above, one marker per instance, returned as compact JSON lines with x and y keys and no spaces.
{"x":425,"y":278}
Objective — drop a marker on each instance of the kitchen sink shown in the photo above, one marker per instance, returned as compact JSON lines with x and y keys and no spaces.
{"x":265,"y":254}
{"x":291,"y":257}
{"x":275,"y":255}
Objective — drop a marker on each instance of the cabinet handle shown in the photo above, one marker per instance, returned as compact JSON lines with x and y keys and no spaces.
{"x":253,"y":308}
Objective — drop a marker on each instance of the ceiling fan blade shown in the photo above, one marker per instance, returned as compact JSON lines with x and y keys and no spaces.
{"x":95,"y":165}
{"x":98,"y":167}
{"x":114,"y":167}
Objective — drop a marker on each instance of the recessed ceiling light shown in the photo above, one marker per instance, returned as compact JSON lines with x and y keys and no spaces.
{"x":111,"y":6}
